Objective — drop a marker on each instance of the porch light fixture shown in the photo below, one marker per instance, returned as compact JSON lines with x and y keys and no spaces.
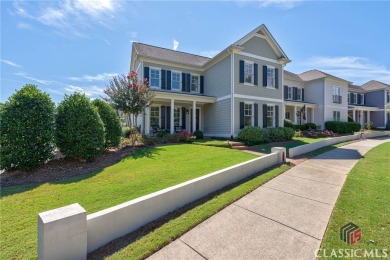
{"x":187,"y":111}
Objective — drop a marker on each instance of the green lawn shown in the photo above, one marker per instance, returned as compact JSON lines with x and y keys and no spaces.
{"x":365,"y":201}
{"x":145,"y":171}
{"x":297,"y":141}
{"x":216,"y":143}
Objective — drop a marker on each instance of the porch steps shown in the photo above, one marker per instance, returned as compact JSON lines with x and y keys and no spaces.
{"x":238,"y":145}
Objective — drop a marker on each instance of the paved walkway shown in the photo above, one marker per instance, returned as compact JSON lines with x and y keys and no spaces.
{"x":286,"y":218}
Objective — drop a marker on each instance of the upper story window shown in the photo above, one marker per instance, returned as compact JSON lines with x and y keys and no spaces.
{"x":362,"y":97}
{"x":175,"y":80}
{"x":388,"y":97}
{"x":349,"y":99}
{"x":290,"y":93}
{"x":299,"y":94}
{"x":354,"y":98}
{"x":270,"y":77}
{"x":248,"y":72}
{"x":270,"y":116}
{"x":155,"y":75}
{"x":336,"y":95}
{"x":194,"y":83}
{"x":248,"y":114}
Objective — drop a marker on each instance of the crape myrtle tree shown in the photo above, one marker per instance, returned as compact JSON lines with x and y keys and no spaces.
{"x":131,"y":96}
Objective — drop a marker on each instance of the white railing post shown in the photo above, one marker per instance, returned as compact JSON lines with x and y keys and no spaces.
{"x":282,"y":151}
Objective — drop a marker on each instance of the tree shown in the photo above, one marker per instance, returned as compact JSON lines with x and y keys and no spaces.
{"x":130,"y":95}
{"x":27,"y":129}
{"x":79,"y":129}
{"x":112,"y":126}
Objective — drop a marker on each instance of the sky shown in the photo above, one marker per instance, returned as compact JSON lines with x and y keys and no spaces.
{"x":76,"y":45}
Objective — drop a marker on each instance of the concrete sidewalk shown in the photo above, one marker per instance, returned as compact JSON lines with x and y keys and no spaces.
{"x":286,"y":218}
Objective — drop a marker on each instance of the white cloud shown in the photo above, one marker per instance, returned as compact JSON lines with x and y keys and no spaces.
{"x":356,"y":69}
{"x":107,"y":42}
{"x":284,"y":4}
{"x":22,"y":25}
{"x":13,"y":64}
{"x":209,"y":53}
{"x":97,"y":77}
{"x":175,"y":44}
{"x":89,"y":91}
{"x":26,"y":76}
{"x":133,"y":34}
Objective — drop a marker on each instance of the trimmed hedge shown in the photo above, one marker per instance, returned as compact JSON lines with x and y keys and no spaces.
{"x":112,"y":126}
{"x":342,"y":127}
{"x":289,"y":123}
{"x":306,"y":126}
{"x":198,"y":134}
{"x":79,"y":128}
{"x":275,"y":134}
{"x":27,"y":129}
{"x":252,"y":135}
{"x":350,"y":119}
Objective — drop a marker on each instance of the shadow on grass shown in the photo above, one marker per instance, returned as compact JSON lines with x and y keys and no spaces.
{"x":122,"y":242}
{"x":150,"y":153}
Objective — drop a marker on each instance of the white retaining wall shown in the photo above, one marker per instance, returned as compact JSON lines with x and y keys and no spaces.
{"x":109,"y":224}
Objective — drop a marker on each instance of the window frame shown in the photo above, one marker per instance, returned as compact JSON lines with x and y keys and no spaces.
{"x":336,"y":115}
{"x":252,"y":121}
{"x":174,"y":116}
{"x":246,"y":64}
{"x":159,"y":79}
{"x":362,"y":99}
{"x":299,"y":90}
{"x":159,"y":115}
{"x":180,"y":80}
{"x":290,"y":93}
{"x":195,"y":75}
{"x":272,"y":116}
{"x":273,"y":79}
{"x":355,"y":101}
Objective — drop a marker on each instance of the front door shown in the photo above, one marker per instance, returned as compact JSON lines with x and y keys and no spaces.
{"x":197,"y":119}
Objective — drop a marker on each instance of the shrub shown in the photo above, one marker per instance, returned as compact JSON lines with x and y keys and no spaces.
{"x":369,"y":125}
{"x":161,"y":133}
{"x":111,"y":122}
{"x":289,"y":133}
{"x":27,"y":129}
{"x":252,"y":135}
{"x":350,"y":119}
{"x":310,"y":126}
{"x":300,"y":127}
{"x":181,"y":137}
{"x":342,"y":127}
{"x":388,"y":126}
{"x":275,"y":134}
{"x":198,"y":134}
{"x":289,"y":123}
{"x":79,"y":129}
{"x":298,"y":133}
{"x":126,"y":132}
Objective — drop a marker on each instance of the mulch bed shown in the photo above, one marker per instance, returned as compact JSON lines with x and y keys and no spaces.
{"x":61,"y":168}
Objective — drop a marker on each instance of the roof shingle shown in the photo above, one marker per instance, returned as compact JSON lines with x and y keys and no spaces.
{"x":317,"y":74}
{"x":375,"y":85}
{"x":291,"y":76}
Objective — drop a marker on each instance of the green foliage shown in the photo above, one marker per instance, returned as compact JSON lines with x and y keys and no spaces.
{"x":306,"y":126}
{"x":198,"y":134}
{"x":181,"y":137}
{"x":342,"y":127}
{"x":388,"y":126}
{"x":275,"y":134}
{"x":289,"y":123}
{"x":369,"y":125}
{"x":79,"y":128}
{"x":252,"y":135}
{"x":350,"y":119}
{"x":289,"y":133}
{"x":111,"y":122}
{"x":27,"y":129}
{"x":126,"y":132}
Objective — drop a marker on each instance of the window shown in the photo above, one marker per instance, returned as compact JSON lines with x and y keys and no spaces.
{"x":248,"y":114}
{"x":155,"y":78}
{"x":354,"y":98}
{"x":287,"y":115}
{"x":194,"y":83}
{"x":349,"y":100}
{"x":175,"y":80}
{"x":362,"y":99}
{"x":299,"y":94}
{"x":336,"y":115}
{"x":270,"y":77}
{"x":388,"y":97}
{"x":270,"y":116}
{"x":154,"y":116}
{"x":248,"y":72}
{"x":336,"y":95}
{"x":290,"y":93}
{"x":176,"y":116}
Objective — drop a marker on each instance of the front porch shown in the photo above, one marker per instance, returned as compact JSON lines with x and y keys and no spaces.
{"x":295,"y":110}
{"x":361,"y":114}
{"x":174,"y":112}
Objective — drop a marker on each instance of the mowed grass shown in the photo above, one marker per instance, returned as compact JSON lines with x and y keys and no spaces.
{"x":216,"y":143}
{"x":365,"y":201}
{"x":143,"y":172}
{"x":297,"y":141}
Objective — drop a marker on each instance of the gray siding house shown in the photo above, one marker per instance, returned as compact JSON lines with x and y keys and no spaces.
{"x":241,"y":86}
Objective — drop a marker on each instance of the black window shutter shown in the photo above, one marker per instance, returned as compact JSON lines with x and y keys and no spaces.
{"x":265,"y":116}
{"x":256,"y":114}
{"x":168,"y":117}
{"x":201,"y":84}
{"x":146,"y":73}
{"x":242,"y":118}
{"x":264,"y":76}
{"x":359,"y":98}
{"x":276,"y":78}
{"x":256,"y":72}
{"x":285,"y":92}
{"x":241,"y":71}
{"x":183,"y":82}
{"x":162,"y":117}
{"x":163,"y":79}
{"x":276,"y":116}
{"x":303,"y":95}
{"x":169,"y":80}
{"x":188,"y":83}
{"x":183,"y":118}
{"x":295,"y":90}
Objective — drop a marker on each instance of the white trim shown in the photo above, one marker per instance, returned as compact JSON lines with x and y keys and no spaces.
{"x":260,"y":35}
{"x":196,"y":75}
{"x":251,"y":103}
{"x":258,"y":98}
{"x":224,"y":97}
{"x":273,"y":115}
{"x":180,"y":82}
{"x":248,"y":84}
{"x":335,"y":107}
{"x":180,"y":96}
{"x":257,"y":57}
{"x":232,"y":94}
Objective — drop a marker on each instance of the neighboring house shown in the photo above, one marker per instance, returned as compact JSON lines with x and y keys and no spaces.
{"x":240,"y":86}
{"x":368,"y":103}
{"x":323,"y":97}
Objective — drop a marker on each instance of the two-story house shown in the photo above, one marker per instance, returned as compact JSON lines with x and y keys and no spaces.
{"x":240,"y":86}
{"x":368,"y":103}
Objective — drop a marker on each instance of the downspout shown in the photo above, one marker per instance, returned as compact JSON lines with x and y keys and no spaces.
{"x":232,"y":93}
{"x":323,"y":119}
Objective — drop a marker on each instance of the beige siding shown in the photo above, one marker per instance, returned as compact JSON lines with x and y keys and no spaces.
{"x":217,"y":118}
{"x":259,"y":46}
{"x":257,"y":91}
{"x":217,"y":79}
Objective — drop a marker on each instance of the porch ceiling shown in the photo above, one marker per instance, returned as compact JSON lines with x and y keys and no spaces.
{"x":363,"y":108}
{"x":299,"y":103}
{"x":183,"y":98}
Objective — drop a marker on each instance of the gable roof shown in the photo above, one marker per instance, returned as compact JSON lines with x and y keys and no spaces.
{"x":356,"y":89}
{"x":373,"y":85}
{"x":160,"y":53}
{"x":317,"y":74}
{"x":291,"y":76}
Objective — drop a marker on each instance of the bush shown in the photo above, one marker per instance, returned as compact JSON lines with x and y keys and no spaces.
{"x":198,"y":134}
{"x":126,"y":132}
{"x":79,"y":128}
{"x":350,"y":119}
{"x":310,"y":126}
{"x":111,"y":122}
{"x":388,"y":126}
{"x":289,"y":133}
{"x":252,"y":135}
{"x":300,"y":127}
{"x":161,"y":133}
{"x":342,"y":127}
{"x":369,"y":125}
{"x":181,"y":137}
{"x":289,"y":123}
{"x":27,"y":129}
{"x":275,"y":134}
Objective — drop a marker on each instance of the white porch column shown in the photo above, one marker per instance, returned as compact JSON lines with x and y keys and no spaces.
{"x":368,"y":115}
{"x":172,"y":115}
{"x":306,"y":120}
{"x":312,"y":114}
{"x":193,"y":116}
{"x":147,"y":120}
{"x":295,"y":114}
{"x":361,"y":118}
{"x":353,"y":115}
